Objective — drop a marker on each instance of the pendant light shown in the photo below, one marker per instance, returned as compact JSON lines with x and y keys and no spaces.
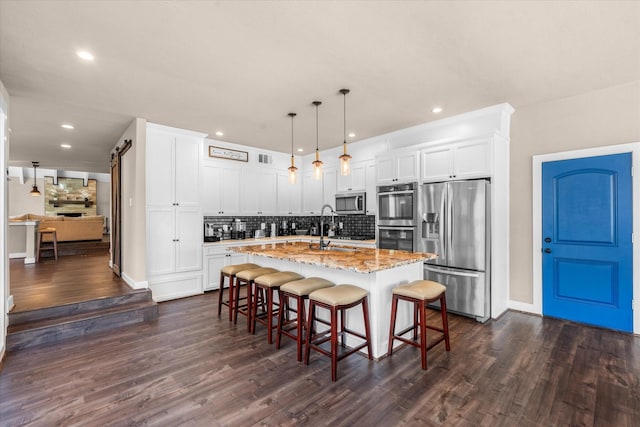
{"x":292,"y":169}
{"x":345,"y":167}
{"x":317,"y":163}
{"x":34,"y":190}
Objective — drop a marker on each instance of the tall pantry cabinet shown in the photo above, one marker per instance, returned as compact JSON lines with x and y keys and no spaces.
{"x":174,"y":212}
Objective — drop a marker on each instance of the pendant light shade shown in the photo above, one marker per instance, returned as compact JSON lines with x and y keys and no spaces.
{"x":345,"y":166}
{"x":34,"y":190}
{"x":317,"y":163}
{"x":292,"y":169}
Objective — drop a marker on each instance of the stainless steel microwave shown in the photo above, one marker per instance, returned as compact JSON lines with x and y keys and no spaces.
{"x":351,"y":203}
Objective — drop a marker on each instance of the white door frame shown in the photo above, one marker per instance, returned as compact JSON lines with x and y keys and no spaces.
{"x":634,"y":149}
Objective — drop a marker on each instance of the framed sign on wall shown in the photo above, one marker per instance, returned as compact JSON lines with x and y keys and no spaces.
{"x":228,"y":153}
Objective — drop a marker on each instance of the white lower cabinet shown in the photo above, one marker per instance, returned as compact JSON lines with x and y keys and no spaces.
{"x":216,"y":257}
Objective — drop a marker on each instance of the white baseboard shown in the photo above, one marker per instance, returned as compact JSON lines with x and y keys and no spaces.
{"x":133,"y":284}
{"x":30,"y":260}
{"x":18,"y":255}
{"x":523,"y":306}
{"x":10,"y":303}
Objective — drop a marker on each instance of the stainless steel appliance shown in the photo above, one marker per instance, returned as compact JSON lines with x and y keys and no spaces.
{"x":399,"y":238}
{"x":398,"y":216}
{"x":455,"y":225}
{"x":398,"y":205}
{"x":351,"y":203}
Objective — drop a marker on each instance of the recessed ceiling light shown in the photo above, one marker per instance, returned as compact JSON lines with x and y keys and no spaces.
{"x":67,"y":126}
{"x":83,"y":54}
{"x":436,"y":110}
{"x":351,"y":135}
{"x":300,"y":150}
{"x":220,"y":133}
{"x":65,"y":146}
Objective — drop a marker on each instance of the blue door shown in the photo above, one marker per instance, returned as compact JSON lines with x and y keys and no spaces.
{"x":587,"y":249}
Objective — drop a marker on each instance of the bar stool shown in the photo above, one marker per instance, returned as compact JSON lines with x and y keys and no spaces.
{"x":299,"y":290}
{"x":54,"y":239}
{"x":230,"y":271}
{"x":247,"y":277}
{"x":420,"y":293}
{"x":337,"y":299}
{"x":268,"y":283}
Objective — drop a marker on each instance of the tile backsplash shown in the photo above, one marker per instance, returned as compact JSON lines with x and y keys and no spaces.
{"x":353,"y":225}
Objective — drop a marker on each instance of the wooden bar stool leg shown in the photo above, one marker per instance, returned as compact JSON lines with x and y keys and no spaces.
{"x":334,"y":344}
{"x":423,"y":334}
{"x":38,"y":243}
{"x":220,"y":294}
{"x":367,"y":331}
{"x":55,"y":244}
{"x":301,"y":327}
{"x":310,"y":331}
{"x":445,"y":321}
{"x":392,"y":327}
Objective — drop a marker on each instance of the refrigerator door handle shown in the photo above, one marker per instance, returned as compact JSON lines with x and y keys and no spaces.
{"x":451,"y":272}
{"x":449,"y":226}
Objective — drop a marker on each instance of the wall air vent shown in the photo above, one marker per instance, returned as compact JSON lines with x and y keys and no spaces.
{"x":267,"y":159}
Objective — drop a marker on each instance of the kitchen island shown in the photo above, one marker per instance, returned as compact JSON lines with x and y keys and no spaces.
{"x":376,"y":270}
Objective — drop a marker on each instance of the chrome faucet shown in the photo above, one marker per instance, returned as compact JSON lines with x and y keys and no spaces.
{"x":324,"y":245}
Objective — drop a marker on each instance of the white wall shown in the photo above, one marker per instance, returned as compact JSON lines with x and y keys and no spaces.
{"x":604,"y":117}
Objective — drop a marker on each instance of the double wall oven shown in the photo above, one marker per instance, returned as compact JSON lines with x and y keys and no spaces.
{"x":398,"y":216}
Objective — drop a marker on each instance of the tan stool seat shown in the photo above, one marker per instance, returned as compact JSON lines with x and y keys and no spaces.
{"x":274,"y":280}
{"x":252,"y":274}
{"x":420,"y":289}
{"x":237,"y":268}
{"x":339,"y":295}
{"x":306,"y":286}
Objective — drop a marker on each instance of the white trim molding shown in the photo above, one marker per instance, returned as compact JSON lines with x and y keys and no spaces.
{"x":133,"y":284}
{"x":634,"y":149}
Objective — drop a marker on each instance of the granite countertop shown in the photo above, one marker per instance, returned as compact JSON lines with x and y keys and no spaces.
{"x":360,"y":260}
{"x":260,"y":240}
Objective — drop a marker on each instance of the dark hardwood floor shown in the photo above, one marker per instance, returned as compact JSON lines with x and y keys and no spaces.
{"x":70,"y":279}
{"x":192,"y":368}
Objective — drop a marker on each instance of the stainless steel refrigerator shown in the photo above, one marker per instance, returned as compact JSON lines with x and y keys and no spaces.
{"x":455,"y":225}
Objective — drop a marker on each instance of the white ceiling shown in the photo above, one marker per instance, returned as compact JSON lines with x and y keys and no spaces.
{"x":241,"y":66}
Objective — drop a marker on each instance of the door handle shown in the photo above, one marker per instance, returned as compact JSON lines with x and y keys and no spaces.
{"x":547,"y":250}
{"x":547,"y":239}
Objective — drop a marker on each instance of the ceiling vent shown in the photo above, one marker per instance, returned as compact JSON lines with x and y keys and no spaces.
{"x":267,"y":159}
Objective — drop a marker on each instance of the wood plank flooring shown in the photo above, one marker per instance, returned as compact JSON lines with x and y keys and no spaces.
{"x":192,"y":368}
{"x":70,"y":279}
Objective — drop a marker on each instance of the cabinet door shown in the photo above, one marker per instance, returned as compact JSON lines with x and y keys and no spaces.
{"x":267,"y":195}
{"x":230,"y":189}
{"x":188,"y":239}
{"x":289,"y":195}
{"x":211,"y":190}
{"x":472,"y":160}
{"x":329,"y":186}
{"x":437,"y":164}
{"x":160,"y":168}
{"x":370,"y":186}
{"x":250,"y":200}
{"x":311,"y":194}
{"x":385,"y":169}
{"x":214,"y":264}
{"x":161,"y":247}
{"x":406,"y":165}
{"x":187,"y":171}
{"x":355,"y":180}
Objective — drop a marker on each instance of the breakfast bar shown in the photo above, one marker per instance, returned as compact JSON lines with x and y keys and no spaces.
{"x":376,"y":270}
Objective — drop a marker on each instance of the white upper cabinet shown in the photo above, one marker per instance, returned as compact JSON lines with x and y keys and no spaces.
{"x":220,"y":190}
{"x":289,"y":195}
{"x":173,"y":168}
{"x":312,"y":197}
{"x":356,"y":180}
{"x":370,"y":187}
{"x":329,"y":185}
{"x":463,"y":160}
{"x":397,"y":167}
{"x":259,"y":194}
